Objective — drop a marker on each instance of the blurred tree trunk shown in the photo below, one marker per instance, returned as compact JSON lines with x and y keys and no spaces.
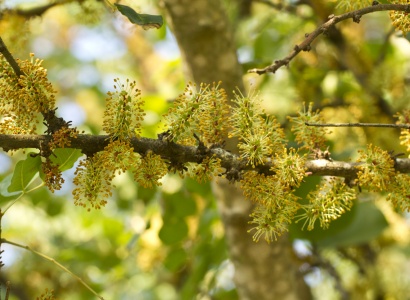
{"x":207,"y":45}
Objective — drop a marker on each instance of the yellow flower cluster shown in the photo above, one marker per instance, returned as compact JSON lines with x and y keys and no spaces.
{"x":289,"y":167}
{"x":122,"y":121}
{"x":202,"y":112}
{"x":62,"y":138}
{"x":404,"y":118}
{"x":376,"y":169}
{"x":151,"y":169}
{"x":270,"y":222}
{"x":93,"y":183}
{"x":327,"y":203}
{"x":259,"y":136}
{"x":24,"y":97}
{"x":94,"y":175}
{"x":401,"y":19}
{"x":119,"y":156}
{"x":124,"y":111}
{"x":276,"y":204}
{"x":208,"y":169}
{"x":52,"y":175}
{"x":310,"y":137}
{"x":399,"y":192}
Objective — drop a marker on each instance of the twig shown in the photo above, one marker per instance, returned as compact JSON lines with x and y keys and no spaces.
{"x":333,"y":20}
{"x":5,"y":241}
{"x":10,"y":59}
{"x":402,"y":126}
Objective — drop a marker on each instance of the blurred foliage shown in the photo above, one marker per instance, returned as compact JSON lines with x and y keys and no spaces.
{"x":168,"y":243}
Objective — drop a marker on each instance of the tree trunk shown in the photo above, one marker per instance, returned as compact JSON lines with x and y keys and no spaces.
{"x":206,"y":41}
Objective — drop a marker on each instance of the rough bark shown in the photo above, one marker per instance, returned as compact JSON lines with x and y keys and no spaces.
{"x":262,"y":271}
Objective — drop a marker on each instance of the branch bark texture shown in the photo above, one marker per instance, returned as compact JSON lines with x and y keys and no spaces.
{"x":180,"y":154}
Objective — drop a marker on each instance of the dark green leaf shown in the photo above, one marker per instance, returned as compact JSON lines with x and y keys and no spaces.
{"x":180,"y":204}
{"x":55,"y":207}
{"x":203,"y":189}
{"x":175,"y":259}
{"x":144,"y":20}
{"x":24,"y":172}
{"x":173,"y":230}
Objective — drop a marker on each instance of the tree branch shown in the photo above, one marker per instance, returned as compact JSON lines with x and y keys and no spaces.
{"x":402,"y":126}
{"x":10,"y":59}
{"x":180,"y":154}
{"x":333,"y":20}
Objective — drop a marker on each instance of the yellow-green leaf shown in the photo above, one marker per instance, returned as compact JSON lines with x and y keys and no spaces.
{"x":24,"y":173}
{"x":65,"y":157}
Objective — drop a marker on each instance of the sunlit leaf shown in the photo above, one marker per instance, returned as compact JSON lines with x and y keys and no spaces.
{"x":5,"y":195}
{"x":24,"y":173}
{"x":144,"y":20}
{"x":65,"y":157}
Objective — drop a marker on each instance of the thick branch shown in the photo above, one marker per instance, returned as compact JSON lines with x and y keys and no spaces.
{"x":181,"y":154}
{"x":333,"y":20}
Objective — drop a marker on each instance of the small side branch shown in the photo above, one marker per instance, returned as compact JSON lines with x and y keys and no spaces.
{"x":401,"y":126}
{"x":10,"y":59}
{"x":333,"y":20}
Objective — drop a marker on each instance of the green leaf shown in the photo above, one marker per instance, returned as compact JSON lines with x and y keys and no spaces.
{"x":144,"y":20}
{"x":368,"y":224}
{"x":173,"y":230}
{"x":24,"y":173}
{"x":179,"y":204}
{"x":5,"y":195}
{"x":65,"y":158}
